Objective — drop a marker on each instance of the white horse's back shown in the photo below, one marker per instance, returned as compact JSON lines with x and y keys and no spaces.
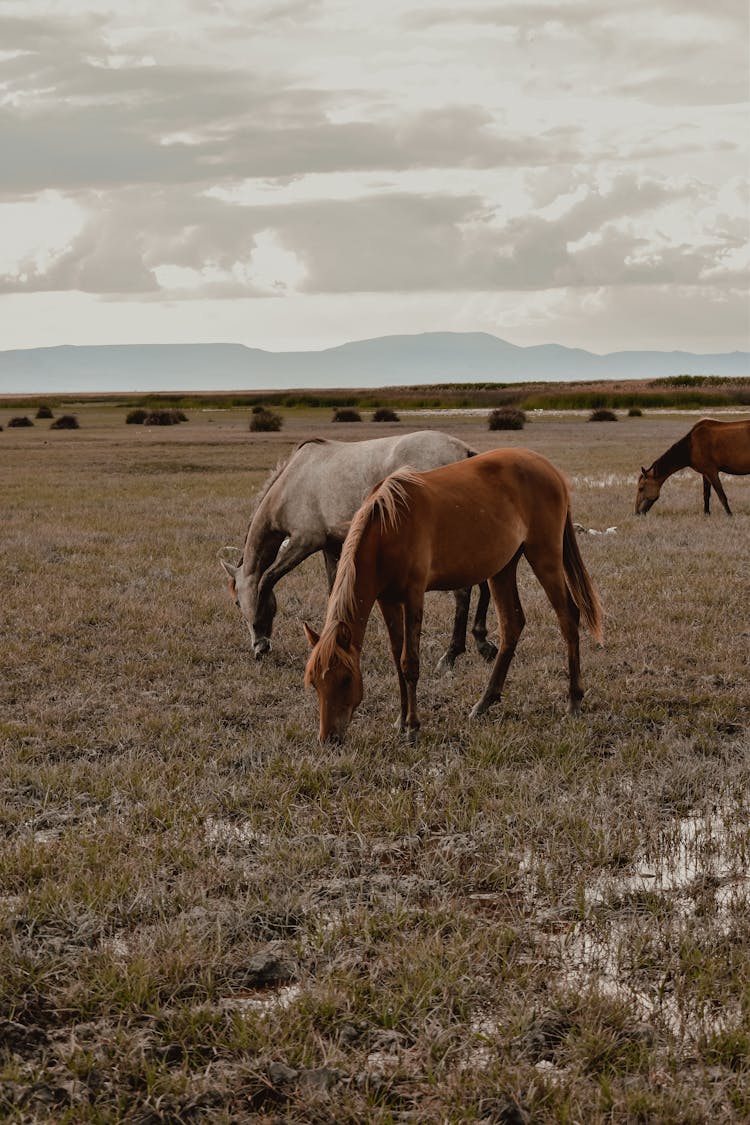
{"x":324,"y":483}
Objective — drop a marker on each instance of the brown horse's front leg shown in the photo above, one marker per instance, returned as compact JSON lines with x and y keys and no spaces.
{"x":393,"y":615}
{"x":410,"y":660}
{"x":706,"y":496}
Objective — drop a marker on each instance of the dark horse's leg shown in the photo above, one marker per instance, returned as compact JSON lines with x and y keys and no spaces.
{"x":511,"y":619}
{"x":331,"y":556}
{"x":706,"y":496}
{"x":460,"y":625}
{"x":485,"y":648}
{"x":548,"y":567}
{"x":719,"y":490}
{"x":458,"y":638}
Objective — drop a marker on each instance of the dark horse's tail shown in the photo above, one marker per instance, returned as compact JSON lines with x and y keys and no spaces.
{"x":579,"y":582}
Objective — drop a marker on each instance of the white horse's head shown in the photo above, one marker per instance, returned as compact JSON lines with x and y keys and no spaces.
{"x":243,"y":588}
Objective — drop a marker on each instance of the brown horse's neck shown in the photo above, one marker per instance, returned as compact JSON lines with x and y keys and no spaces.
{"x":354,"y":594}
{"x":676,"y":457}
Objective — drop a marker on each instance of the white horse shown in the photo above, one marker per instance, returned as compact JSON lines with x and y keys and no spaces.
{"x":307,"y":504}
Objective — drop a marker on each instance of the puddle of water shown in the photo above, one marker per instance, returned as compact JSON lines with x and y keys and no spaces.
{"x":697,"y":856}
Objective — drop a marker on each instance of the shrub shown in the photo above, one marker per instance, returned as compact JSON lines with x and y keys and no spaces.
{"x":163,"y":418}
{"x":65,"y":422}
{"x":265,"y":421}
{"x":258,"y":409}
{"x":44,"y":411}
{"x":346,"y":414}
{"x":385,"y":414}
{"x":136,"y":417}
{"x":22,"y":421}
{"x":506,"y":418}
{"x":635,"y":412}
{"x":602,"y":415}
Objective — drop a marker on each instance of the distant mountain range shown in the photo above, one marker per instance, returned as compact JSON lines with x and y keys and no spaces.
{"x":431,"y":357}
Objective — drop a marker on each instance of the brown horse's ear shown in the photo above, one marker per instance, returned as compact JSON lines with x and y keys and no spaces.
{"x":644,"y":472}
{"x":232,"y":571}
{"x":312,"y":636}
{"x":344,"y":636}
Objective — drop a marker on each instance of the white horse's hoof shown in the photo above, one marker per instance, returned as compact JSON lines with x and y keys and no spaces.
{"x":261,"y":647}
{"x":477,"y":710}
{"x":445,"y":664}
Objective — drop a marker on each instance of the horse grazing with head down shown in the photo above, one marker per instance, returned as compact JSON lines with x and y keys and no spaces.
{"x":710,"y":448}
{"x":451,"y":527}
{"x":307,"y":505}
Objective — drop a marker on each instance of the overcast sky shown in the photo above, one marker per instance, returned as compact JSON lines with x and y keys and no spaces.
{"x":299,"y":173}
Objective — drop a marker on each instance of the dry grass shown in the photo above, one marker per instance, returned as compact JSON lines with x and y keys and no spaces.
{"x":206,"y":916}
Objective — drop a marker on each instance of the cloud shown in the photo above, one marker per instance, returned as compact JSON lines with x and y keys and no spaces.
{"x":624,"y":231}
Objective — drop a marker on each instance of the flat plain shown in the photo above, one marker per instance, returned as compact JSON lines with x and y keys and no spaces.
{"x":206,"y":916}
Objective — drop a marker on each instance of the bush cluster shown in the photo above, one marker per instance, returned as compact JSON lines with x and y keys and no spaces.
{"x":346,"y":414}
{"x":65,"y":422}
{"x":385,"y":414}
{"x":265,"y":421}
{"x":17,"y":422}
{"x":44,"y":411}
{"x":635,"y":412}
{"x":506,"y":418}
{"x":140,"y":417}
{"x":602,"y":415}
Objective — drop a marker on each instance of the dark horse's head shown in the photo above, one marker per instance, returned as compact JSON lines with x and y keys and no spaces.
{"x":649,"y":488}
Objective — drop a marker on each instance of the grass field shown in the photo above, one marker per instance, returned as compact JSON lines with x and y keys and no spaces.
{"x":206,"y":916}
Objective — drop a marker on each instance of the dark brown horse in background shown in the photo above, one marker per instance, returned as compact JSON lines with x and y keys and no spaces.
{"x":442,"y":530}
{"x":710,"y":448}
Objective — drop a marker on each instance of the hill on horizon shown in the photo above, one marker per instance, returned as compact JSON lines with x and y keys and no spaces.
{"x":405,"y":360}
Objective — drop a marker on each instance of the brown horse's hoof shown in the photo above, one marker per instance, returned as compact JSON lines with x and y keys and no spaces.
{"x":487,"y":651}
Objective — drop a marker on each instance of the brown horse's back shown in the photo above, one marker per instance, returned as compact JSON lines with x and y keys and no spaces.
{"x":720,"y":446}
{"x":482,"y":510}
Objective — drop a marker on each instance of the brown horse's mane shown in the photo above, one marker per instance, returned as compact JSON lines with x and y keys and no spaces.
{"x":385,"y":502}
{"x":675,"y":458}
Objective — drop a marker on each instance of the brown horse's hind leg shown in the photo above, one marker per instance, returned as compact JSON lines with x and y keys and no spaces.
{"x":393,"y":615}
{"x":548,"y":569}
{"x":719,"y":490}
{"x":512,"y":620}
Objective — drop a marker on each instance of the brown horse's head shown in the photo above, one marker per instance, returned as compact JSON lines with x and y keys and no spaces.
{"x":333,"y":670}
{"x":648,"y":491}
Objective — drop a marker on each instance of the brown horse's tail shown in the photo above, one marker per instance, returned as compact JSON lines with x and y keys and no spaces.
{"x":579,"y":582}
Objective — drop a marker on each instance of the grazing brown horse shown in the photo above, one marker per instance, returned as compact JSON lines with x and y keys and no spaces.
{"x":710,"y":448}
{"x":440,"y":530}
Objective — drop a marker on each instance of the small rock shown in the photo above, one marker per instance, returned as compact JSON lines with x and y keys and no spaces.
{"x":282,"y":1075}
